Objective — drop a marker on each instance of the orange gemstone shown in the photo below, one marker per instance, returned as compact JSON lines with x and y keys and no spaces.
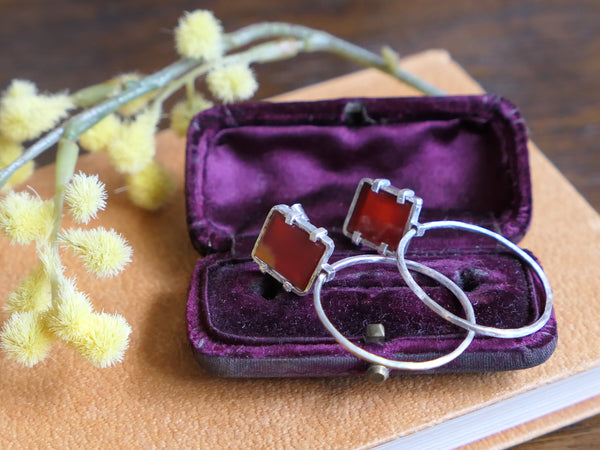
{"x":379,"y":218}
{"x":288,"y":250}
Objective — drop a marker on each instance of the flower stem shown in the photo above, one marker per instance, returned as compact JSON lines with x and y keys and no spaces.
{"x":317,"y":40}
{"x":86,"y":119}
{"x":31,"y":153}
{"x":260,"y":53}
{"x":72,"y":128}
{"x":66,"y":159}
{"x":92,"y":95}
{"x":303,"y":39}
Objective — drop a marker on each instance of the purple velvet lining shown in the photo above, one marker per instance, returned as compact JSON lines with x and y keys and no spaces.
{"x":423,"y":335}
{"x":237,"y":311}
{"x":466,"y":156}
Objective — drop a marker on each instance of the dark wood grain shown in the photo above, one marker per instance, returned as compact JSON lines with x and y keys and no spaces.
{"x":543,"y":55}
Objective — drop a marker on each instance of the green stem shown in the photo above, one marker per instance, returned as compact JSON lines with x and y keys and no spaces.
{"x":260,"y":53}
{"x":86,"y":119}
{"x":309,"y":40}
{"x":317,"y":40}
{"x":68,"y":150}
{"x":76,"y":125}
{"x":66,"y":159}
{"x":105,"y":98}
{"x":92,"y":95}
{"x":190,"y":89}
{"x":30,"y":154}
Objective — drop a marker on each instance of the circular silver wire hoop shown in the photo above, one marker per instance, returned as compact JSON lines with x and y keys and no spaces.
{"x":371,"y":357}
{"x":506,"y":333}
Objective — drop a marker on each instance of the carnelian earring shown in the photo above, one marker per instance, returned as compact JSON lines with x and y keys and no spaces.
{"x":386,"y":218}
{"x":297,"y":253}
{"x":381,"y":214}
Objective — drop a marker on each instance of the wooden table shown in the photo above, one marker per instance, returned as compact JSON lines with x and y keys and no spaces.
{"x":543,"y":55}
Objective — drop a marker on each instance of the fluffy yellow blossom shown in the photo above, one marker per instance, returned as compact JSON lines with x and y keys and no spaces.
{"x":232,"y":83}
{"x":104,"y":340}
{"x":21,"y":89}
{"x":151,"y":187}
{"x":98,"y":137}
{"x":50,"y":259}
{"x":25,"y":338}
{"x":105,"y":253}
{"x":85,"y":195}
{"x":183,"y":112}
{"x":199,"y":35}
{"x":70,"y":317}
{"x":25,"y":218}
{"x":25,"y":114}
{"x":9,"y":151}
{"x":33,"y":294}
{"x":134,"y":146}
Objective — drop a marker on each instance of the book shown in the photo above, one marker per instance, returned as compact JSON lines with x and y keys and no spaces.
{"x":158,"y":396}
{"x":491,"y":421}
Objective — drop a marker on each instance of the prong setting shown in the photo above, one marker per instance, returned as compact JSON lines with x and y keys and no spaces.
{"x":317,"y":234}
{"x":383,"y":249}
{"x":327,"y":269}
{"x":380,"y":183}
{"x":296,"y":212}
{"x":404,"y":195}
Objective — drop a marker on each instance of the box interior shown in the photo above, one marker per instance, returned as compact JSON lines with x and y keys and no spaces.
{"x":465,"y":156}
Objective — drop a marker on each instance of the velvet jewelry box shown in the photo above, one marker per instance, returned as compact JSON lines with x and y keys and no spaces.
{"x":465,"y":156}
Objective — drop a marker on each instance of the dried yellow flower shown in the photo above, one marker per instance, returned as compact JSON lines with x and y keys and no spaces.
{"x":134,"y":145}
{"x":183,"y":112}
{"x":232,"y":83}
{"x":85,"y":195}
{"x":151,"y":187}
{"x":98,"y":137}
{"x":71,"y":315}
{"x":25,"y":218}
{"x":50,"y":259}
{"x":104,"y":340}
{"x":24,"y":337}
{"x":199,"y":35}
{"x":25,"y":114}
{"x":105,"y":253}
{"x":33,"y":294}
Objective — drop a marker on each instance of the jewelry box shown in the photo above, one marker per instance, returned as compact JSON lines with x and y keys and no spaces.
{"x":466,"y":157}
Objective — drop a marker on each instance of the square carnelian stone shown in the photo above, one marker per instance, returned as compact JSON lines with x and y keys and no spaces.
{"x":288,"y":250}
{"x":378,"y":217}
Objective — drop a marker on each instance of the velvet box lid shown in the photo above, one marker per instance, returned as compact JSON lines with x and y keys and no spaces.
{"x":465,"y":156}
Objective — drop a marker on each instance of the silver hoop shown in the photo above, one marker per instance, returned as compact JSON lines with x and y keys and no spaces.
{"x":507,"y":333}
{"x":379,"y":360}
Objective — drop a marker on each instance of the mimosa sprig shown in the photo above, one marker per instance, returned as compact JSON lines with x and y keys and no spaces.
{"x":120,"y":116}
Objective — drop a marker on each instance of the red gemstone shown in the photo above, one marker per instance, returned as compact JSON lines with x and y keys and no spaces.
{"x":288,"y":250}
{"x":379,"y":217}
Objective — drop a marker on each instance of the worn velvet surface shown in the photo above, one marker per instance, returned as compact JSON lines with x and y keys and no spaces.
{"x":465,"y":156}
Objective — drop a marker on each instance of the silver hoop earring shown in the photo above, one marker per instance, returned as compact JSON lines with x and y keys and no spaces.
{"x":386,"y":218}
{"x":296,"y":253}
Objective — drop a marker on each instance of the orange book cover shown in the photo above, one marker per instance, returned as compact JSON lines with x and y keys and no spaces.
{"x":160,"y":397}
